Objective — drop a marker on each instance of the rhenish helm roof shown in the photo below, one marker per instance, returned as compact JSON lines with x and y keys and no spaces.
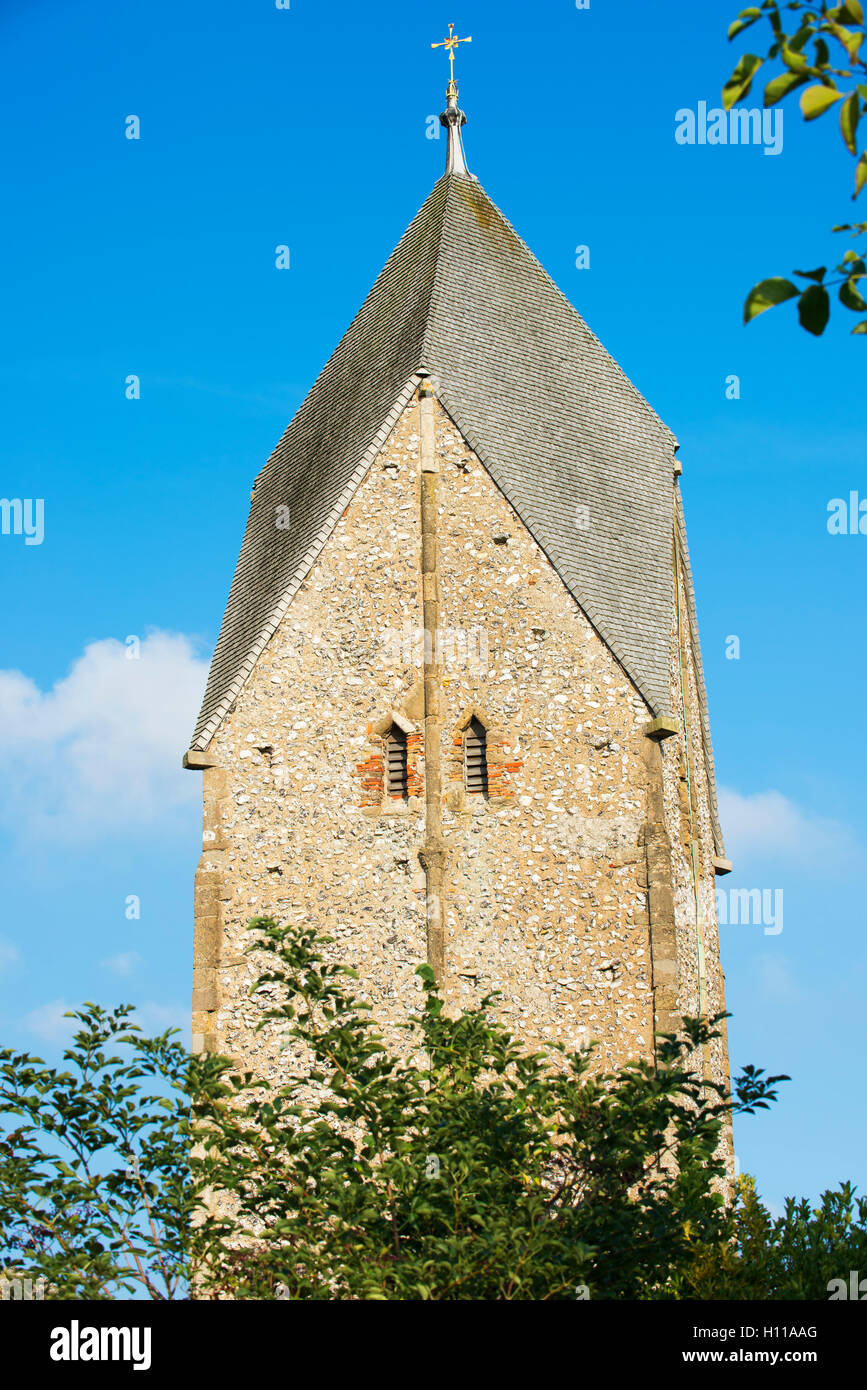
{"x":573,"y":446}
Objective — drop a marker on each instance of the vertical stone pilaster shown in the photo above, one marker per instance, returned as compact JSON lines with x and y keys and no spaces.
{"x":210,"y":892}
{"x":433,"y":856}
{"x":667,"y":1017}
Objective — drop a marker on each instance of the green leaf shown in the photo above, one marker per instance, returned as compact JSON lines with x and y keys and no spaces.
{"x":793,"y":58}
{"x":860,"y":327}
{"x":767,"y":295}
{"x":860,"y":174}
{"x":816,"y":100}
{"x":744,"y":20}
{"x":799,"y":42}
{"x":851,"y":42}
{"x":850,"y":297}
{"x":817,"y":275}
{"x":814,"y":309}
{"x":823,"y":56}
{"x":781,"y":85}
{"x":854,"y":11}
{"x":849,"y":113}
{"x":741,"y":80}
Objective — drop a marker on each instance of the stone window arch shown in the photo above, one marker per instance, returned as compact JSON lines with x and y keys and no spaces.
{"x":392,"y":775}
{"x":479,"y":766}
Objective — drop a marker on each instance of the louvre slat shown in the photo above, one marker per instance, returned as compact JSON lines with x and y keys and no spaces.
{"x":476,"y":758}
{"x":395,"y":762}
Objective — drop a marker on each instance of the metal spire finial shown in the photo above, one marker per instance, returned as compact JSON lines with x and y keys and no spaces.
{"x":450,"y":44}
{"x":453,"y":117}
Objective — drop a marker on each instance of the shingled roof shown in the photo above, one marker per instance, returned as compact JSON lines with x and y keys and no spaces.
{"x":546,"y":409}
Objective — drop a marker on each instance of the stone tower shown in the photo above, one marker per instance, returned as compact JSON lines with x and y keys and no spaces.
{"x":456,"y":710}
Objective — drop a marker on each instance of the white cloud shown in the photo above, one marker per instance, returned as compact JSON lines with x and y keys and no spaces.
{"x":8,"y":955}
{"x":48,"y":1023}
{"x":124,"y":963}
{"x":101,"y":751}
{"x":768,"y":824}
{"x":153,"y":1018}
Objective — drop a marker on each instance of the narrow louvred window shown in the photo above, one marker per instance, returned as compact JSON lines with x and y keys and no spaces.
{"x":476,"y":758}
{"x":394,"y":747}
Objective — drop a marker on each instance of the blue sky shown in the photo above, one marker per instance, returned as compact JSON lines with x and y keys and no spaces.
{"x":156,"y":257}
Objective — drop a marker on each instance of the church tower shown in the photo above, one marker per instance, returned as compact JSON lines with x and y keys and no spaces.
{"x":456,"y":711}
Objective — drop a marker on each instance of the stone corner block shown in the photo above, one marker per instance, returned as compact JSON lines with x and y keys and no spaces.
{"x":195,"y":761}
{"x":662,"y":727}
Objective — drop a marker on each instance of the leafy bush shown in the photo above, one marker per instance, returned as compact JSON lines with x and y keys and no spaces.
{"x":794,"y":1256}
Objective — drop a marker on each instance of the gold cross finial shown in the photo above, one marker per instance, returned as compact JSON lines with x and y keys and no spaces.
{"x":450,"y":44}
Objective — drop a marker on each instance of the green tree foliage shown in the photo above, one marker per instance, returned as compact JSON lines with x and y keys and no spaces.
{"x":464,"y":1169}
{"x":822,"y":59}
{"x":96,"y":1194}
{"x":798,"y":1255}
